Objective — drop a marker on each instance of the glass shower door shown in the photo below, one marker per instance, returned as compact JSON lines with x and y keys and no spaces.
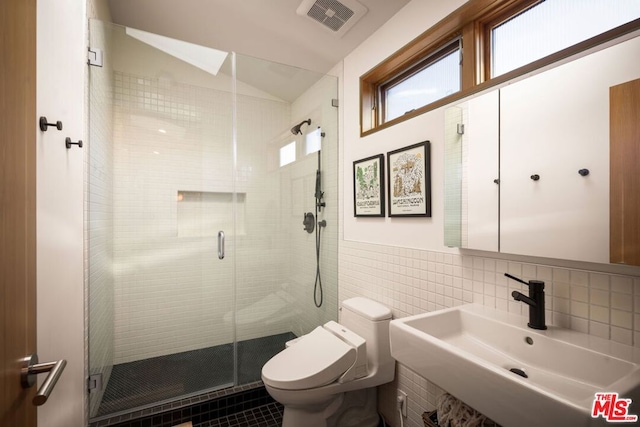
{"x":185,"y":142}
{"x":159,"y":188}
{"x":287,"y":278}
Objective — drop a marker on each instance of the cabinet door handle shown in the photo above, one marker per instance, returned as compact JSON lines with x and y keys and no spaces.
{"x":535,"y":177}
{"x":220,"y":244}
{"x":32,"y":368}
{"x":583,"y":172}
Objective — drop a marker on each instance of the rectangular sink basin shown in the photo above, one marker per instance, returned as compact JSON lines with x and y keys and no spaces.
{"x":513,"y":374}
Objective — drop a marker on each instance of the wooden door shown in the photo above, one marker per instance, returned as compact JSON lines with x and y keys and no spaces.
{"x":624,"y":105}
{"x":18,"y":217}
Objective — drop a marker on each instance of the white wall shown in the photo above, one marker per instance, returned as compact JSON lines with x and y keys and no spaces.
{"x":410,"y":22}
{"x":61,"y":65}
{"x":403,"y":262}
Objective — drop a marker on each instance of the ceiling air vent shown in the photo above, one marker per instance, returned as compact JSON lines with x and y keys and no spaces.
{"x":335,"y":16}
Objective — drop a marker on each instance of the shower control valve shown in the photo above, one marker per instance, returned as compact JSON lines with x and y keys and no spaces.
{"x":309,"y":222}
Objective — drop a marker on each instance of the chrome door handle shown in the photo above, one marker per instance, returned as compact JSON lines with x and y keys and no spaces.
{"x":32,"y":368}
{"x":220,"y":244}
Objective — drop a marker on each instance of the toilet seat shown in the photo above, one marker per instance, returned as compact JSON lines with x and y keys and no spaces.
{"x":319,"y":358}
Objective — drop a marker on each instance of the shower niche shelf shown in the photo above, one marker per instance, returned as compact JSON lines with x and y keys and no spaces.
{"x":204,"y":213}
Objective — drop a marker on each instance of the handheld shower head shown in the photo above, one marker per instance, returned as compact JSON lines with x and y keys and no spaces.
{"x":319,"y":192}
{"x":296,"y":129}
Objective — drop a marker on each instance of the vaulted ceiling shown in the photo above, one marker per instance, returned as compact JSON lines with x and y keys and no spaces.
{"x":267,"y":29}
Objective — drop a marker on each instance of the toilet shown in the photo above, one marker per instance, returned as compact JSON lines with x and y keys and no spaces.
{"x":327,"y":377}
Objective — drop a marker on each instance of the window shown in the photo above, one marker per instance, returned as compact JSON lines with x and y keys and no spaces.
{"x":483,"y":44}
{"x":434,"y":78}
{"x":288,"y":154}
{"x":313,"y":141}
{"x":553,"y":25}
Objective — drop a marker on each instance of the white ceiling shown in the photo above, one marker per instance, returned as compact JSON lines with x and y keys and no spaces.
{"x":265,"y":29}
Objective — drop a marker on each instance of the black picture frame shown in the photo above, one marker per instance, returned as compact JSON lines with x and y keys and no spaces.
{"x":368,"y":187}
{"x":409,"y":181}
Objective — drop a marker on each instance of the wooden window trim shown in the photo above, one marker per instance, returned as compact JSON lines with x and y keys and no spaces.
{"x":473,"y":21}
{"x":438,"y":53}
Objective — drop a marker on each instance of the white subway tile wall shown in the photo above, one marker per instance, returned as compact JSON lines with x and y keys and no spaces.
{"x":316,"y":104}
{"x":155,"y":140}
{"x":172,"y":294}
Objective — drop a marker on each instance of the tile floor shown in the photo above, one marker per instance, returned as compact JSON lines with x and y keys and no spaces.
{"x":269,"y":415}
{"x":145,"y":382}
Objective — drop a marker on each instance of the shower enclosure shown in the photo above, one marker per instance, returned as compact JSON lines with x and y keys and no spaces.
{"x":198,"y":268}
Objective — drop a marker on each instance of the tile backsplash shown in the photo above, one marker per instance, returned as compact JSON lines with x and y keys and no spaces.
{"x":413,"y":281}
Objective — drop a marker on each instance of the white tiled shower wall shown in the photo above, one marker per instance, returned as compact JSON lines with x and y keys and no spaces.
{"x":316,"y":104}
{"x":278,"y":235}
{"x":168,"y":291}
{"x":172,"y":293}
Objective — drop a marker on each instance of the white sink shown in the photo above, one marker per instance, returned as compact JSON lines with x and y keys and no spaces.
{"x":469,"y":351}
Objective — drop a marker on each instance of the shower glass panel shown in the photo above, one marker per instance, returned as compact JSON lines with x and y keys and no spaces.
{"x":184,"y":142}
{"x":277,"y":259}
{"x":160,"y":187}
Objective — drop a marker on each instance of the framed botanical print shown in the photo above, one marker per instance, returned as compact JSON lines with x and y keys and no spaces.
{"x":368,"y":186}
{"x":409,"y":180}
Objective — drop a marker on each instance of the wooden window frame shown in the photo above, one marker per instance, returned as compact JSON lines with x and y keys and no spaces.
{"x":473,"y":23}
{"x":424,"y":63}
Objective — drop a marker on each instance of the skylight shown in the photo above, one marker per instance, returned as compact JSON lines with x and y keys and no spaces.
{"x":205,"y":58}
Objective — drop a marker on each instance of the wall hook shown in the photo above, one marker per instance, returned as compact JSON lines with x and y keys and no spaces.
{"x":583,"y":172}
{"x":68,"y":143}
{"x":535,"y":177}
{"x":44,"y":124}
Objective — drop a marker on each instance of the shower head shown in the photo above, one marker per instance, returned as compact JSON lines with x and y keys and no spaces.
{"x":296,"y":129}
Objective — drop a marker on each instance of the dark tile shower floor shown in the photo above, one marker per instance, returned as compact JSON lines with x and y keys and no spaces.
{"x":150,"y":381}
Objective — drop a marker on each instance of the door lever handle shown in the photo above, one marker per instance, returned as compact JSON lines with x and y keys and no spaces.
{"x":32,"y":368}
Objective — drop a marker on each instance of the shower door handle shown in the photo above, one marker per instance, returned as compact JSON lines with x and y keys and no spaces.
{"x":220,"y":244}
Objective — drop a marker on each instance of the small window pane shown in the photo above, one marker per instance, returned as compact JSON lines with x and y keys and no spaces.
{"x":437,"y":80}
{"x":312,"y":141}
{"x":554,"y":25}
{"x":288,"y":154}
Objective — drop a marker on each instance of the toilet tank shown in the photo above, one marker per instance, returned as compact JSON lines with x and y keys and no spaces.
{"x":370,"y":320}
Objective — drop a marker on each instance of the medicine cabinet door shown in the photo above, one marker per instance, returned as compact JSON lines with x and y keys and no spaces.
{"x":554,"y":157}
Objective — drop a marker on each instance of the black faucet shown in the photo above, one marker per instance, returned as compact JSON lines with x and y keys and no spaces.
{"x":535,"y":300}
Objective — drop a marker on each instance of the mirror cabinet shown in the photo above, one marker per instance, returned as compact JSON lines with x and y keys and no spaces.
{"x":549,"y":166}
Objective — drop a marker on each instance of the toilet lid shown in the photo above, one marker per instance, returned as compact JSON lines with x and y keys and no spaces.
{"x":319,"y":358}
